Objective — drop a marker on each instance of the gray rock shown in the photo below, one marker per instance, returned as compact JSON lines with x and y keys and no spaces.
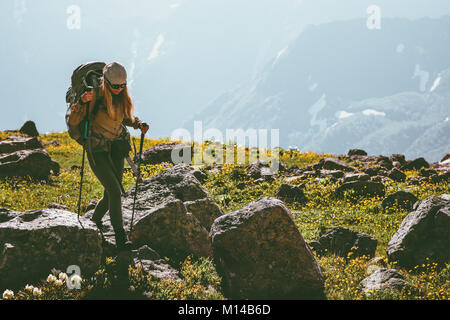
{"x":34,"y":163}
{"x":424,"y":233}
{"x":34,"y":242}
{"x":416,"y":164}
{"x":349,"y":177}
{"x":255,"y":170}
{"x":341,"y":241}
{"x":29,"y":128}
{"x":383,"y":279}
{"x":288,"y":192}
{"x":356,"y":152}
{"x":200,"y":175}
{"x":293,"y":178}
{"x":332,"y":173}
{"x":162,"y":153}
{"x":152,"y":264}
{"x":205,"y":210}
{"x":335,"y":164}
{"x":260,"y":254}
{"x":20,"y":143}
{"x":361,"y":188}
{"x":397,"y":175}
{"x":373,"y":171}
{"x":400,"y":199}
{"x":379,"y":179}
{"x":162,"y":219}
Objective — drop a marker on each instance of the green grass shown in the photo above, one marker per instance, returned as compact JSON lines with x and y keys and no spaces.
{"x":230,"y":188}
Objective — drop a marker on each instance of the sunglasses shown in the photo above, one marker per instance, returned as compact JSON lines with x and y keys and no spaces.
{"x":116,"y":86}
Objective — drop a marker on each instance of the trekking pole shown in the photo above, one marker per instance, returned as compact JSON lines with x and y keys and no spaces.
{"x":82,"y":162}
{"x":137,"y":181}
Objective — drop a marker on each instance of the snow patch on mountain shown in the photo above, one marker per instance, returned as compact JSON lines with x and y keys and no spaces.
{"x":372,"y":112}
{"x":344,"y":114}
{"x":155,"y":51}
{"x":435,"y":84}
{"x":279,"y":55}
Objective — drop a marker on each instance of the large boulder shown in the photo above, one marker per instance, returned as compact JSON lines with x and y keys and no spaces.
{"x":163,"y":153}
{"x":424,"y":233}
{"x":33,"y":242}
{"x":342,"y":241}
{"x":361,"y":188}
{"x":261,"y":254}
{"x":173,"y":214}
{"x":205,"y":210}
{"x":35,"y":163}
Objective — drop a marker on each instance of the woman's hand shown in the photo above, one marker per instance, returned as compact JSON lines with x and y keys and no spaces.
{"x":144,"y":127}
{"x":88,"y":96}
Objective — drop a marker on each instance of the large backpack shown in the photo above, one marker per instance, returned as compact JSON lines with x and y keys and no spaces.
{"x":84,"y":78}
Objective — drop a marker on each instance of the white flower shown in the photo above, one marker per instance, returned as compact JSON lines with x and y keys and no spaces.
{"x":51,"y":278}
{"x":63,"y":276}
{"x":8,"y":294}
{"x":37,"y":292}
{"x":58,"y":283}
{"x":29,"y":288}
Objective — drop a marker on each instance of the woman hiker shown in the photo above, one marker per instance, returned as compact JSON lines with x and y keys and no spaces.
{"x":109,"y":142}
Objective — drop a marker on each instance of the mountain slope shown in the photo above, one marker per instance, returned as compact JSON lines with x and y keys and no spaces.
{"x":311,"y":90}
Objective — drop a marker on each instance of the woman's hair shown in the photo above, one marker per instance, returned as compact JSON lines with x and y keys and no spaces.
{"x":117,"y":106}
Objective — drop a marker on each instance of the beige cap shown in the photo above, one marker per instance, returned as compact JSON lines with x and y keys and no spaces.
{"x":115,"y":73}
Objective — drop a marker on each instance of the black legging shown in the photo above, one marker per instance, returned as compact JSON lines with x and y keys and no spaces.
{"x":112,"y":197}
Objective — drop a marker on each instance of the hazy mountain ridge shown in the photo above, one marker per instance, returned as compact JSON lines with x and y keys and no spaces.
{"x":375,"y":89}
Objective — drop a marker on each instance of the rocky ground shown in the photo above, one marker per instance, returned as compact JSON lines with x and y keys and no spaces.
{"x":323,"y":227}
